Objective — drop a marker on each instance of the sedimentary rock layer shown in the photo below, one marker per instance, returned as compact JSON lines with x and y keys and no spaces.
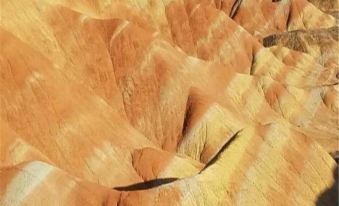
{"x":176,"y":102}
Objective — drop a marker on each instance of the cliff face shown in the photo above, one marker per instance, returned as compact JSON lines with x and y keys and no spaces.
{"x":176,"y":102}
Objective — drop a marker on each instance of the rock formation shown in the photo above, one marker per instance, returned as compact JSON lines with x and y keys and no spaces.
{"x":172,"y":102}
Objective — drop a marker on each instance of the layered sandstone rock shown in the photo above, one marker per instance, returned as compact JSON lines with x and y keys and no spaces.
{"x":171,"y":102}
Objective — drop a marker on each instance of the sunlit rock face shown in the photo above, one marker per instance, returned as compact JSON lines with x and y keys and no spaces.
{"x":173,"y":102}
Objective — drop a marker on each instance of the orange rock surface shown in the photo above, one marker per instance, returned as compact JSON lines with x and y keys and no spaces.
{"x":173,"y":102}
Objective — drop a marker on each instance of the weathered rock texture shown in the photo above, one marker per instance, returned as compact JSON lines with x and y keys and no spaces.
{"x":173,"y":102}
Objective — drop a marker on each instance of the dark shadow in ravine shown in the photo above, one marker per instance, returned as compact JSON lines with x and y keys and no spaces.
{"x":222,"y":149}
{"x":235,"y":8}
{"x":147,"y":184}
{"x":330,"y":196}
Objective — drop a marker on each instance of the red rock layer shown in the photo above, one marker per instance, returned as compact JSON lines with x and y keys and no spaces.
{"x":163,"y":103}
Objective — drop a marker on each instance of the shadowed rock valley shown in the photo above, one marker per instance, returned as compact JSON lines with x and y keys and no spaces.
{"x":169,"y":102}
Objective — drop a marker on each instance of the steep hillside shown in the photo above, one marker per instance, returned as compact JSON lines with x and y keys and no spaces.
{"x":176,"y":102}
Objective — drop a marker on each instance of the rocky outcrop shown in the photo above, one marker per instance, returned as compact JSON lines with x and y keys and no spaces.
{"x":167,"y":103}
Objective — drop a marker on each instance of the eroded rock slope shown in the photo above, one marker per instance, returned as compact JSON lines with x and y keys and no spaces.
{"x":173,"y":102}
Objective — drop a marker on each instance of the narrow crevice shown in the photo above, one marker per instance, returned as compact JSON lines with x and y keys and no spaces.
{"x":188,"y":114}
{"x":235,"y":8}
{"x":187,"y":119}
{"x":147,"y":184}
{"x":222,"y":149}
{"x":252,"y":69}
{"x":288,"y":19}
